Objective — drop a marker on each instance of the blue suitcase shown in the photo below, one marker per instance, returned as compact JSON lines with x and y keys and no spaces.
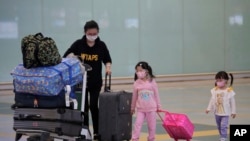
{"x":47,"y":81}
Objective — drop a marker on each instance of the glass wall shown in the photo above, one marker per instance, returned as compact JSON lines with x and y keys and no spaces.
{"x":174,"y":36}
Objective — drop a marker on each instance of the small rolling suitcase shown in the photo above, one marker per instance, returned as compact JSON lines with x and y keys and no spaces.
{"x":115,"y":118}
{"x":178,"y":126}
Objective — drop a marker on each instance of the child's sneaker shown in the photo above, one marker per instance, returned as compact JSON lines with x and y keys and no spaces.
{"x":223,"y":139}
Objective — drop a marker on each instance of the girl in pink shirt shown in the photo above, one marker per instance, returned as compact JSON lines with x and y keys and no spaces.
{"x":145,"y":100}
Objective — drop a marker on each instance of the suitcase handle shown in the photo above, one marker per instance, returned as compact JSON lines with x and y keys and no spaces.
{"x":27,"y":116}
{"x":166,"y":112}
{"x":39,"y":35}
{"x":158,"y":113}
{"x":107,"y":83}
{"x":162,"y":111}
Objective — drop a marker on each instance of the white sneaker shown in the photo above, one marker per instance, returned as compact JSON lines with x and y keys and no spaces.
{"x":223,"y":139}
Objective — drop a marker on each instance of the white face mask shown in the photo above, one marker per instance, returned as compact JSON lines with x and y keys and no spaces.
{"x":91,"y":38}
{"x":141,"y":74}
{"x":221,"y":84}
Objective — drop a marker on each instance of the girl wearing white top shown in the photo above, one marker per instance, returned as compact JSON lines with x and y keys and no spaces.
{"x":222,"y":102}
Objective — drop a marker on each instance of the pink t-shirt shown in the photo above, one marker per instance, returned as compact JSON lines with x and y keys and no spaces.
{"x":145,"y":96}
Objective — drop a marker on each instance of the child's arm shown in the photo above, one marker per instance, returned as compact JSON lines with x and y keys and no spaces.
{"x":211,"y":103}
{"x":134,"y":99}
{"x":209,"y":107}
{"x":157,"y":97}
{"x":233,"y":106}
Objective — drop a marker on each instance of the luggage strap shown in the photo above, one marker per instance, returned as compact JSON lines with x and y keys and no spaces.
{"x":60,"y":73}
{"x":70,"y":71}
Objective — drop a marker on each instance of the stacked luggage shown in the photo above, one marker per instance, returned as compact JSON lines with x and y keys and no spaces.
{"x":44,"y":103}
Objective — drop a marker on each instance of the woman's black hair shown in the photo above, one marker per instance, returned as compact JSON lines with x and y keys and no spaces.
{"x":145,"y":66}
{"x":224,"y":75}
{"x":91,"y":24}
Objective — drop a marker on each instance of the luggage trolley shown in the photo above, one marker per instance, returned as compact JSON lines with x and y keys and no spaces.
{"x":43,"y":135}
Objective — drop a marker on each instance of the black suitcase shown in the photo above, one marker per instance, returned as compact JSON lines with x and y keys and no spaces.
{"x":24,"y":100}
{"x":60,"y":114}
{"x":60,"y":128}
{"x":115,"y":118}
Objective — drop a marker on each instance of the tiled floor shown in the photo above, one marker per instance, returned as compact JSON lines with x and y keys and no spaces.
{"x":190,"y":98}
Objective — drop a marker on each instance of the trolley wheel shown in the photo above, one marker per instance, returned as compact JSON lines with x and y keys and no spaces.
{"x":45,"y":136}
{"x":80,"y":139}
{"x":18,"y":136}
{"x":34,"y":138}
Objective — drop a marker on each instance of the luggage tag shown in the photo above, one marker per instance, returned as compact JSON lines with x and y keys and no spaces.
{"x":35,"y":103}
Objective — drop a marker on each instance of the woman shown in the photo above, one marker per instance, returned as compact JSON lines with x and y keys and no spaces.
{"x":94,"y":52}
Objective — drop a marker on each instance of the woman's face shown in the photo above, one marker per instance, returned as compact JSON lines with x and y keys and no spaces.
{"x":91,"y":34}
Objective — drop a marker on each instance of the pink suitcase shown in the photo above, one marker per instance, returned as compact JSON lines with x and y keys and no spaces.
{"x":178,"y":126}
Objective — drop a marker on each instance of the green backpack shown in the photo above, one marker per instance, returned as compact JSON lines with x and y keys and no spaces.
{"x":39,"y":51}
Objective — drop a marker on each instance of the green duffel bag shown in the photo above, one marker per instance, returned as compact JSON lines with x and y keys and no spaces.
{"x":39,"y":51}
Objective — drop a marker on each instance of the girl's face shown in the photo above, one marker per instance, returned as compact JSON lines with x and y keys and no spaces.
{"x":221,"y":83}
{"x":140,"y":72}
{"x":91,"y":34}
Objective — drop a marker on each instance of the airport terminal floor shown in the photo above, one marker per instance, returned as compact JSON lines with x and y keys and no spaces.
{"x":188,"y":97}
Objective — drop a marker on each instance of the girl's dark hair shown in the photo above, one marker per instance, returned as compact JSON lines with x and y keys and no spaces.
{"x":91,"y":24}
{"x":224,"y":75}
{"x":145,"y":66}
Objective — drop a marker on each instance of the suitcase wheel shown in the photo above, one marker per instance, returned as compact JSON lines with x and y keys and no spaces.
{"x":34,"y":138}
{"x":18,"y":136}
{"x":42,"y":137}
{"x":82,"y":137}
{"x":114,"y":137}
{"x":59,"y":131}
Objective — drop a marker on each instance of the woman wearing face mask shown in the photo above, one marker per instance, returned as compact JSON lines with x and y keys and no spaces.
{"x":222,"y":102}
{"x":94,"y":52}
{"x":145,"y":100}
